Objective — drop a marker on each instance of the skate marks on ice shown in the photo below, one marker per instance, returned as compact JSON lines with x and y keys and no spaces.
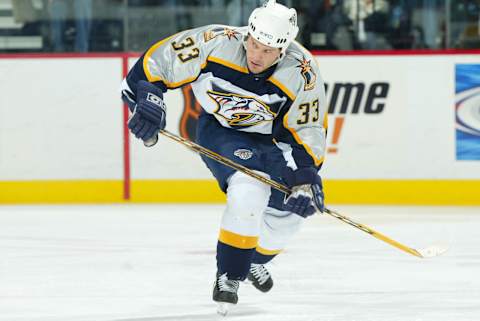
{"x":236,"y":311}
{"x":117,"y":263}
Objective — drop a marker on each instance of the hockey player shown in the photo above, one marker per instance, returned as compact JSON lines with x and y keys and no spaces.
{"x":264,"y":107}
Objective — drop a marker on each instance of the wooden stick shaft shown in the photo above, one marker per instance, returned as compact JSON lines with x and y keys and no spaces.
{"x":284,"y":189}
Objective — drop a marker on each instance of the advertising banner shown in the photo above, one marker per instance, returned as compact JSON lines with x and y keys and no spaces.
{"x":467,"y":111}
{"x":402,"y":129}
{"x":393,"y":122}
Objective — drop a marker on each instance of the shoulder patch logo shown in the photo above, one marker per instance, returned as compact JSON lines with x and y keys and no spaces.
{"x":241,"y":111}
{"x":307,"y":73}
{"x":213,"y":33}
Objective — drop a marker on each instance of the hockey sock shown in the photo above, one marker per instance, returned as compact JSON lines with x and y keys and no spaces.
{"x":259,"y":258}
{"x":233,"y":261}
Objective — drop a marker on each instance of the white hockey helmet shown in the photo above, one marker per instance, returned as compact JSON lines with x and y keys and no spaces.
{"x":273,"y":25}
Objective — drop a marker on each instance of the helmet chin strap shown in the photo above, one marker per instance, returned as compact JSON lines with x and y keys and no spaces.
{"x":282,"y":54}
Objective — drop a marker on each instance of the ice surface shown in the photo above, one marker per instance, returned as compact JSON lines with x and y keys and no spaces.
{"x":157,"y":263}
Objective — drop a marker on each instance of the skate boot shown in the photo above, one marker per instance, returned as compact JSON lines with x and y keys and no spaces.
{"x":225,"y":293}
{"x":260,"y":277}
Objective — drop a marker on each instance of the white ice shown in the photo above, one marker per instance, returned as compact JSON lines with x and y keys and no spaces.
{"x":157,"y":263}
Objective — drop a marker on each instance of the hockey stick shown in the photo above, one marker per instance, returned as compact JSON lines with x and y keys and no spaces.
{"x":427,"y":252}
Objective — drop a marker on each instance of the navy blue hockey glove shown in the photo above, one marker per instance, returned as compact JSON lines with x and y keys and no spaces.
{"x":149,"y":113}
{"x":307,"y":192}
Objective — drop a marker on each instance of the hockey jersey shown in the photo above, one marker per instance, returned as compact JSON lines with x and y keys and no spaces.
{"x":287,"y":101}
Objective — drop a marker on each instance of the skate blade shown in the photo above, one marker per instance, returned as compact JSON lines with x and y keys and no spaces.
{"x":223,"y":308}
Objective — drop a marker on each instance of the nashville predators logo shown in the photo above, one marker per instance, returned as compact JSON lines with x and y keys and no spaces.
{"x":307,"y":73}
{"x":213,"y":33}
{"x":241,"y":111}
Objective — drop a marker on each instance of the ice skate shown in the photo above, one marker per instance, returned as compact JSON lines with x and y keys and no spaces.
{"x":225,"y":293}
{"x":260,"y":277}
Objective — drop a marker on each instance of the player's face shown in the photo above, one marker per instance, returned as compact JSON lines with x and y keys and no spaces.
{"x":260,"y":56}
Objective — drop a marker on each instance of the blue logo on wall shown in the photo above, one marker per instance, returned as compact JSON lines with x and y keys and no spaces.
{"x":467,"y":111}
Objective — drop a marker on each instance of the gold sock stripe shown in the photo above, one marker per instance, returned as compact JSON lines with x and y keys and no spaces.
{"x":264,"y":251}
{"x":237,"y":240}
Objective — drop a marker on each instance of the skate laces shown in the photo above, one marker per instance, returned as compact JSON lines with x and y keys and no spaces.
{"x":260,"y":273}
{"x":224,"y":284}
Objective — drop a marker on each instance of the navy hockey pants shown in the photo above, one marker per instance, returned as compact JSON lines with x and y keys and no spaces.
{"x":252,"y":150}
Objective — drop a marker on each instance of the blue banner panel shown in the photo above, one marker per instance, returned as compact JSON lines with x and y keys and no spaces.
{"x":467,"y":111}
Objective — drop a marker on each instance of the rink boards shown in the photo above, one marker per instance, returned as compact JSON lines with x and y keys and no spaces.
{"x":403,"y":129}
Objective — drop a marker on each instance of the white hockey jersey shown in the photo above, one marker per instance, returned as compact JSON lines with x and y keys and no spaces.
{"x":287,"y":101}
